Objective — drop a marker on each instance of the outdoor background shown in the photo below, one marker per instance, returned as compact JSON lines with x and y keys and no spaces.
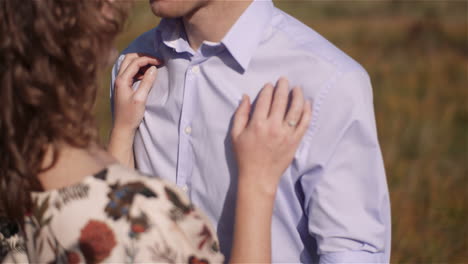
{"x":416,"y":53}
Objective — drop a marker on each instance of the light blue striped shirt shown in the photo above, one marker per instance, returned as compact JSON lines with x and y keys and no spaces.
{"x":332,"y":204}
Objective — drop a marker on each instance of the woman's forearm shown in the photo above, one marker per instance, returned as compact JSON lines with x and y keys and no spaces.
{"x":252,"y":229}
{"x":130,"y":104}
{"x":265,"y":143}
{"x":121,"y":146}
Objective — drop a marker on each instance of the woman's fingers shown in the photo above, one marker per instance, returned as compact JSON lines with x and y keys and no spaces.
{"x":241,"y":117}
{"x":270,"y":111}
{"x":127,"y":60}
{"x":126,"y":78}
{"x":296,"y":108}
{"x":304,"y":122}
{"x":280,"y":101}
{"x":263,"y":104}
{"x":146,"y":84}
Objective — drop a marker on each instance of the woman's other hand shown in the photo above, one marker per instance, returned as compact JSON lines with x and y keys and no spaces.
{"x":266,"y":142}
{"x":264,"y":145}
{"x":129,"y":104}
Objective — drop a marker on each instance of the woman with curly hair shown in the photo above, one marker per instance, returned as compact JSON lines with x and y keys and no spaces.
{"x":72,"y":200}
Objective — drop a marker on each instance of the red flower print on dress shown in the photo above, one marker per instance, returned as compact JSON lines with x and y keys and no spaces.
{"x":195,"y":260}
{"x":73,"y":257}
{"x":137,"y":228}
{"x":138,"y":225}
{"x":96,"y":241}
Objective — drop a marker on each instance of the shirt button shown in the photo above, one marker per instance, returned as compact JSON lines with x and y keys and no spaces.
{"x":184,"y":188}
{"x":188,"y":130}
{"x":196,"y":69}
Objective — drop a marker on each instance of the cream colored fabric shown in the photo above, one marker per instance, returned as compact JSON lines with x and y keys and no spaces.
{"x":117,"y":216}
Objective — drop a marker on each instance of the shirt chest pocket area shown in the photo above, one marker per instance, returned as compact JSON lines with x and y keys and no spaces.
{"x":160,"y":90}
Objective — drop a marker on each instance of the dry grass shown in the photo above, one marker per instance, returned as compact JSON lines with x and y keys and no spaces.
{"x":417,"y":55}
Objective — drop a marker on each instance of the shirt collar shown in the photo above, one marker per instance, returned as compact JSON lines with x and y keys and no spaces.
{"x":241,"y":40}
{"x":171,"y":33}
{"x":246,"y":34}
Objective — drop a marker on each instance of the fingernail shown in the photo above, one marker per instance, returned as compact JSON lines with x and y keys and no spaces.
{"x":243,"y":99}
{"x":152,"y":70}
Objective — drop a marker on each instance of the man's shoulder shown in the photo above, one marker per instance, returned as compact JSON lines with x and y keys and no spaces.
{"x":302,"y":38}
{"x":145,"y":43}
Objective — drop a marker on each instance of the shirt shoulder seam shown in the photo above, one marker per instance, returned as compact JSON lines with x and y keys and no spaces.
{"x":300,"y":44}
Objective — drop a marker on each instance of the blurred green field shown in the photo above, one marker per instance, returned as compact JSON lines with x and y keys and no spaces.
{"x":416,"y":53}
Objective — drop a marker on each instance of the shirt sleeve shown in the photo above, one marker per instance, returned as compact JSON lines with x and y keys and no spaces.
{"x":352,"y":257}
{"x":114,"y":72}
{"x":343,"y":177}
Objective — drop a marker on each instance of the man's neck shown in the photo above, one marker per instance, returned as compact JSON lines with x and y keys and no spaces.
{"x":213,"y":21}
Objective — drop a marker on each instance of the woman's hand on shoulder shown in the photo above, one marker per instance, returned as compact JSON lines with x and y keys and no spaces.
{"x":265,"y":141}
{"x":129,"y":104}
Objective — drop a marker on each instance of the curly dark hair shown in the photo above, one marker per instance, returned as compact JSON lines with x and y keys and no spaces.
{"x":50,"y":54}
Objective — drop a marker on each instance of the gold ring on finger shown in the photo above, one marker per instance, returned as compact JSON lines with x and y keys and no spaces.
{"x":292,"y":123}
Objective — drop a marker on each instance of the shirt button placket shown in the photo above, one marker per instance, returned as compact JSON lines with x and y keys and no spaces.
{"x":195,"y":69}
{"x":185,"y":150}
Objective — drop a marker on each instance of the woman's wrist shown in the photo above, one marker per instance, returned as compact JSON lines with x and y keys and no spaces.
{"x":121,"y":145}
{"x":123,"y":132}
{"x":252,"y":229}
{"x":251,"y":185}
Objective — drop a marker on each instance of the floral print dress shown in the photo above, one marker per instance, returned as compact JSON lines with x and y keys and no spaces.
{"x":117,"y":216}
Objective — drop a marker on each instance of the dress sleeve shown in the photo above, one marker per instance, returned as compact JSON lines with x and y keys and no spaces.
{"x":165,"y":227}
{"x":16,"y":257}
{"x":12,"y":248}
